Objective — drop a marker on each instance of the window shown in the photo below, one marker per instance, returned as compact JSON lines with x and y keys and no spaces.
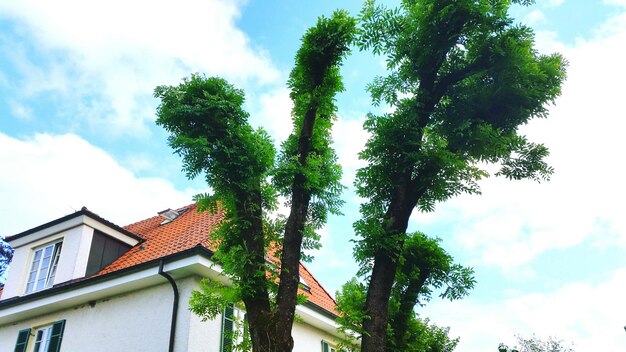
{"x":227,"y":329}
{"x":44,"y":339}
{"x":304,"y":285}
{"x":44,"y":267}
{"x":233,"y":328}
{"x":326,"y":347}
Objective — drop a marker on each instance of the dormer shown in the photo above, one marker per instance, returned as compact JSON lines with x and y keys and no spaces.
{"x":66,"y":249}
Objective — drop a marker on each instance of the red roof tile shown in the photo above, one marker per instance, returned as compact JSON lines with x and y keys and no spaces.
{"x":191,"y":229}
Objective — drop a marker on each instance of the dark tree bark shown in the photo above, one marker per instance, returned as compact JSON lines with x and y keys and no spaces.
{"x":408,"y":299}
{"x":286,"y":299}
{"x":385,"y":266}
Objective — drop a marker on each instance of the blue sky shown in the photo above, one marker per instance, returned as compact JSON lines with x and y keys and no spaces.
{"x":77,"y":128}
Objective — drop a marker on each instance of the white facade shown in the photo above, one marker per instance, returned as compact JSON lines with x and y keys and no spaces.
{"x":140,"y":321}
{"x":126,"y":310}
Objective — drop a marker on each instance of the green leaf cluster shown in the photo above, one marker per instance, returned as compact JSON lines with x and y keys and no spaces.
{"x":209,"y":129}
{"x":462,"y":78}
{"x":314,"y":82}
{"x":424,"y":267}
{"x":422,"y":335}
{"x":424,"y":260}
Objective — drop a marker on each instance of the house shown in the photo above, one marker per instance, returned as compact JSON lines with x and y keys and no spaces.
{"x":82,"y":283}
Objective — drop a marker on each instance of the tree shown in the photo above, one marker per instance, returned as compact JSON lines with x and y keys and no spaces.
{"x":6,"y":254}
{"x":209,"y":129}
{"x":534,"y":344}
{"x":462,"y":79}
{"x":424,"y":266}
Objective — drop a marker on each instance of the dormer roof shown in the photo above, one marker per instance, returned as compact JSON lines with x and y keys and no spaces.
{"x":68,"y":221}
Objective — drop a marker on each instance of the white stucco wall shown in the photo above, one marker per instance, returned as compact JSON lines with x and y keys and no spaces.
{"x":202,"y":336}
{"x":137,"y":321}
{"x":309,"y":339}
{"x":73,"y":262}
{"x":140,"y":321}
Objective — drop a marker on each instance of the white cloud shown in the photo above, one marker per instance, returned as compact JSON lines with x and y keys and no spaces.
{"x":113,"y":53}
{"x":349,"y":140}
{"x":274,"y":113}
{"x":590,"y":316}
{"x":535,"y":17}
{"x":48,"y":176}
{"x":513,"y":222}
{"x":615,"y":2}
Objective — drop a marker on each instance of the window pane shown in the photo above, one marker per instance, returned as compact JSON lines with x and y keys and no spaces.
{"x":42,"y":339}
{"x":45,"y":264}
{"x":32,"y":276}
{"x":40,"y":283}
{"x":55,"y":263}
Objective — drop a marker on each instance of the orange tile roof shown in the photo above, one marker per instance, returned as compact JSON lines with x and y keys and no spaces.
{"x":192,"y":229}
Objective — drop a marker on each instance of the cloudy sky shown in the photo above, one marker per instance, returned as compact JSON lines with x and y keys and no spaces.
{"x":77,"y":129}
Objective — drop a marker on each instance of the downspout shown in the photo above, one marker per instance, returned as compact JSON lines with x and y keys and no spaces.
{"x":174,"y":305}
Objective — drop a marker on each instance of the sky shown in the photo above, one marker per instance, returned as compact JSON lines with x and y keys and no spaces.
{"x":77,"y":129}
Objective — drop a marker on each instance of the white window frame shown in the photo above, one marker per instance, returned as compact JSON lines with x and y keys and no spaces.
{"x":43,"y":268}
{"x":46,"y":334}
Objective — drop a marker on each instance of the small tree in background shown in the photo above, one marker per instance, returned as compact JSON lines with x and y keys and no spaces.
{"x":535,"y":344}
{"x":6,"y":254}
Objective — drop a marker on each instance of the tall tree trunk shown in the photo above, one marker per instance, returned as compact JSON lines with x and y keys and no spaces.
{"x":377,"y":303}
{"x":287,"y":297}
{"x":385,"y":265}
{"x":257,"y":300}
{"x":408,"y":299}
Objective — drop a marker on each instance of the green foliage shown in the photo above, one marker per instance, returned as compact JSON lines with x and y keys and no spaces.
{"x":422,"y":335}
{"x":212,"y":299}
{"x":462,"y":78}
{"x":424,"y":267}
{"x":350,"y":301}
{"x":209,"y":129}
{"x":423,"y":259}
{"x":314,"y":82}
{"x":535,"y":344}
